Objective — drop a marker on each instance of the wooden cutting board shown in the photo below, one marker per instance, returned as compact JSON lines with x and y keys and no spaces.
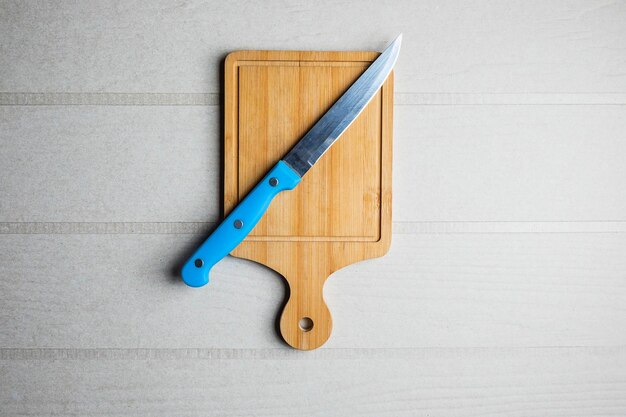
{"x":341,"y":211}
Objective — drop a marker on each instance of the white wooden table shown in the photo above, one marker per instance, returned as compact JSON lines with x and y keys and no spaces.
{"x":504,"y":292}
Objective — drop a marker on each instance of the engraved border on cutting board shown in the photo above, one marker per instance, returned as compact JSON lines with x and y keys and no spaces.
{"x":378,"y":233}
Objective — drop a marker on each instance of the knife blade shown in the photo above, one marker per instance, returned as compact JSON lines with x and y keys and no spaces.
{"x":288,"y":172}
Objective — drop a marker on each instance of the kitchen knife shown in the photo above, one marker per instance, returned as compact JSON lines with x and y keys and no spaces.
{"x":288,"y":172}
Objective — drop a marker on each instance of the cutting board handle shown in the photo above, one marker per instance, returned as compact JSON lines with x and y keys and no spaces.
{"x":306,"y":322}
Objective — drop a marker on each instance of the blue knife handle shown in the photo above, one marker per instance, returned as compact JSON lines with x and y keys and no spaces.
{"x":238,"y":224}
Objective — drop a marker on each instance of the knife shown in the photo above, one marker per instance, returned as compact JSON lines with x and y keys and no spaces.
{"x":288,"y":172}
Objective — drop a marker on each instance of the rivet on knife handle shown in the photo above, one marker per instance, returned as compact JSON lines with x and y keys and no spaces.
{"x":238,"y":224}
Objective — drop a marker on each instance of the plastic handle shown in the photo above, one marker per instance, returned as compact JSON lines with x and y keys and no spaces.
{"x":238,"y":224}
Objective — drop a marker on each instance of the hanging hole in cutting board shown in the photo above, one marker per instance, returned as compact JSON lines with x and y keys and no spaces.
{"x":306,"y":324}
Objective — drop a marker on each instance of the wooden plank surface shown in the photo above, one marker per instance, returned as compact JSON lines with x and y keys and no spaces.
{"x":162,"y":163}
{"x":103,"y":164}
{"x":122,"y":291}
{"x":471,"y":382}
{"x":504,"y":289}
{"x":155,"y":46}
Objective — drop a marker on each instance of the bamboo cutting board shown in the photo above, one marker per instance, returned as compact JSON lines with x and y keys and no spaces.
{"x":341,"y":211}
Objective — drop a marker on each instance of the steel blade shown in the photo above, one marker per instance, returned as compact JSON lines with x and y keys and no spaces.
{"x":345,"y":110}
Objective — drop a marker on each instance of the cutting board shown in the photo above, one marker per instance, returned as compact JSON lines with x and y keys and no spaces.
{"x":341,"y":211}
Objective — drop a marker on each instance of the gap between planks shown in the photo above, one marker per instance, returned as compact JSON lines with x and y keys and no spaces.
{"x":423,"y":227}
{"x":27,"y":354}
{"x":400,"y":99}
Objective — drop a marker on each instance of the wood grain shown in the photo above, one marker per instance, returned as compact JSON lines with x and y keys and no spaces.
{"x":341,"y":211}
